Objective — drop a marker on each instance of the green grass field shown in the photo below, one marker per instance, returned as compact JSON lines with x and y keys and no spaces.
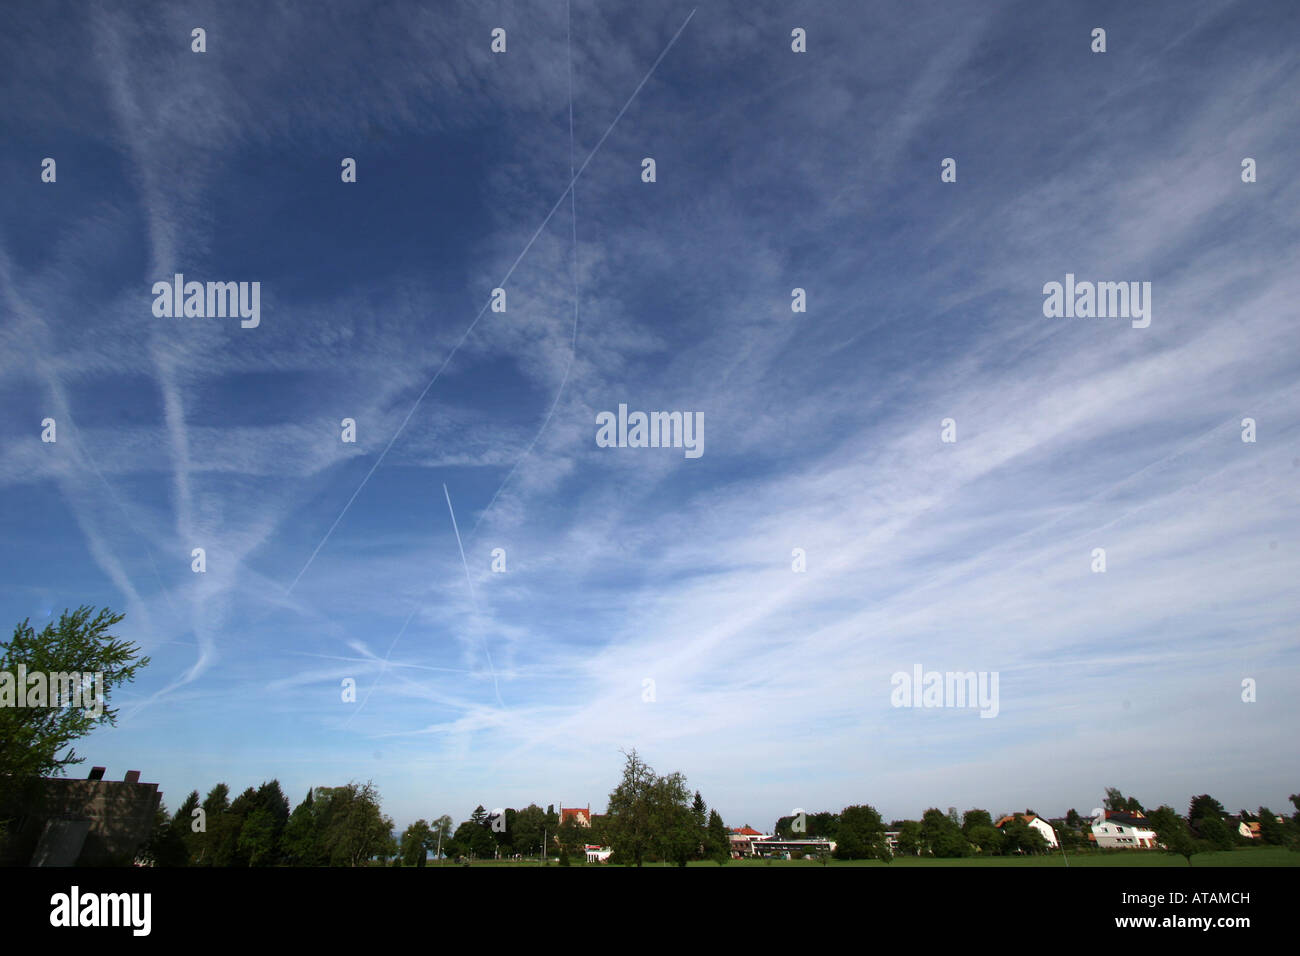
{"x":1250,"y":856}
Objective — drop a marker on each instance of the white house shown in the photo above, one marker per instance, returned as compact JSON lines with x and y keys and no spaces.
{"x":597,"y":854}
{"x":1127,"y":831}
{"x":1038,"y":823}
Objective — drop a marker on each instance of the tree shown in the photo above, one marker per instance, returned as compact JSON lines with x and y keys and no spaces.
{"x":1115,"y":800}
{"x":910,"y":841}
{"x":987,"y":837}
{"x":862,"y":834}
{"x":1271,"y":830}
{"x":1173,"y":832}
{"x":352,"y":825}
{"x":719,"y":838}
{"x":676,"y":835}
{"x":529,"y":829}
{"x":1215,"y":832}
{"x":165,"y":847}
{"x":1019,"y":837}
{"x":473,"y":840}
{"x":975,"y":818}
{"x":33,"y":738}
{"x":700,"y":810}
{"x":440,"y":831}
{"x":301,"y":840}
{"x":1072,"y":819}
{"x":941,"y":836}
{"x":629,"y":823}
{"x":182,"y":825}
{"x":258,"y":841}
{"x":1203,"y":806}
{"x":414,"y":846}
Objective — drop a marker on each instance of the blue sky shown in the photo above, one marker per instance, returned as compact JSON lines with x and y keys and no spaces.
{"x":775,"y":170}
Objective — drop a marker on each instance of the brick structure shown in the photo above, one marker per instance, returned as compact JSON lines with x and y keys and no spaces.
{"x":119,"y":813}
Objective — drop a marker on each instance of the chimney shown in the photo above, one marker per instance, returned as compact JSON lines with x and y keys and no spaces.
{"x":96,"y":773}
{"x":133,"y":776}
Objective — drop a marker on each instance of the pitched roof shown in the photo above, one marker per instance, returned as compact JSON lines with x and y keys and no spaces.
{"x":1132,"y":818}
{"x":1027,"y":817}
{"x":581,"y":814}
{"x":745,"y":831}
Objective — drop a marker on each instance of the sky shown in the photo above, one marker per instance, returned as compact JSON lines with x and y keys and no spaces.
{"x":649,"y":599}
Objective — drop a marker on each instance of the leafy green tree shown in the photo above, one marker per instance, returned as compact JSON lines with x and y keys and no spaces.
{"x":301,"y":841}
{"x":182,"y":825}
{"x":414,"y":846}
{"x":479,"y":815}
{"x":1115,"y":800}
{"x":676,"y":835}
{"x":165,"y":847}
{"x":473,"y":840}
{"x":204,"y":842}
{"x":1204,"y":806}
{"x":861,"y":833}
{"x":910,"y":839}
{"x":1215,"y":832}
{"x":505,"y":837}
{"x":529,"y":829}
{"x":1072,"y":819}
{"x":1173,"y":831}
{"x":258,"y":840}
{"x":217,"y":800}
{"x":33,"y":739}
{"x":941,"y":836}
{"x":352,"y":825}
{"x":1019,"y":837}
{"x":440,"y":831}
{"x":975,"y":818}
{"x":719,"y":838}
{"x":1271,"y":830}
{"x":629,"y":817}
{"x":987,"y":837}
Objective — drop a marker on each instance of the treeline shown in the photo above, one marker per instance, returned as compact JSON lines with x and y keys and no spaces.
{"x":1209,"y":826}
{"x":333,"y":826}
{"x":651,"y":819}
{"x":859,"y":831}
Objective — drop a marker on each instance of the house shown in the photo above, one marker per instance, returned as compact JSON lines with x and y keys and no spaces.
{"x":743,"y":840}
{"x":1037,"y":822}
{"x":579,"y":815}
{"x":91,"y":822}
{"x":597,"y":854}
{"x":776,"y":846}
{"x":1123,"y":829}
{"x":1249,"y":829}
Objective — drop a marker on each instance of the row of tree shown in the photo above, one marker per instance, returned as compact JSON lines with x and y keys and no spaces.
{"x":859,"y":833}
{"x":333,"y":826}
{"x":650,"y":818}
